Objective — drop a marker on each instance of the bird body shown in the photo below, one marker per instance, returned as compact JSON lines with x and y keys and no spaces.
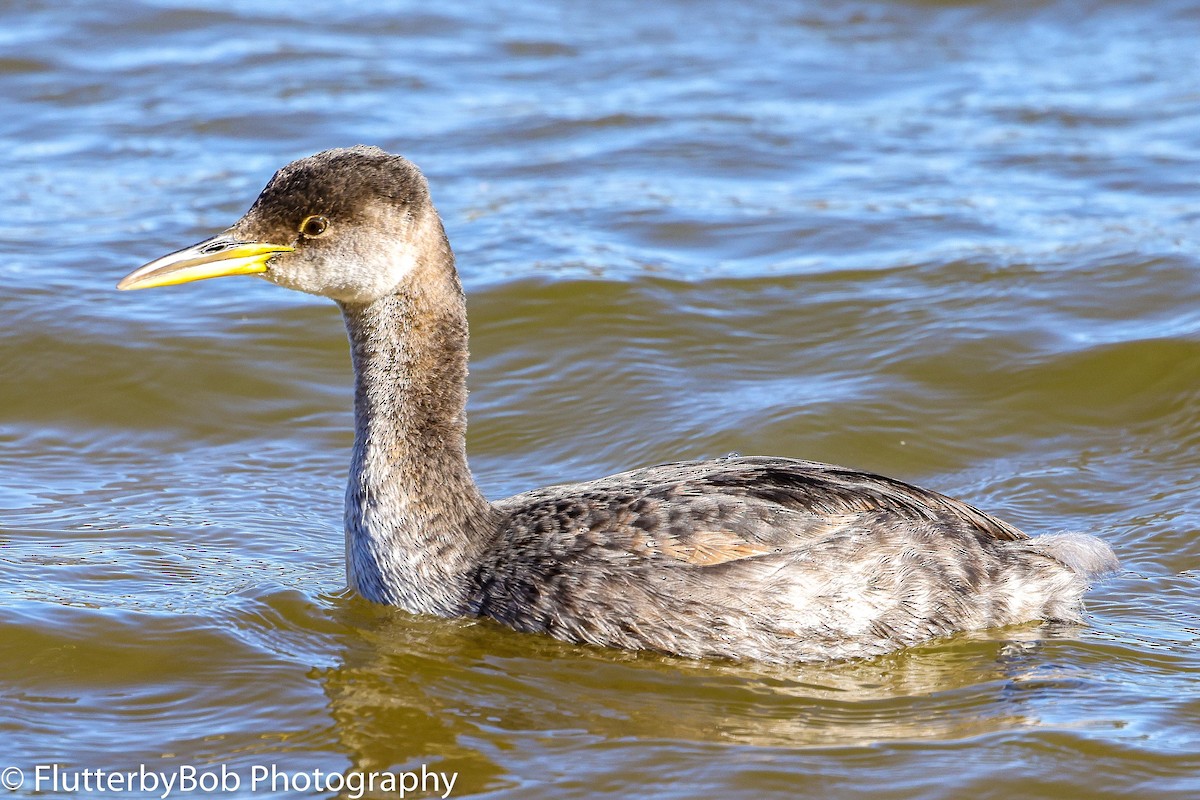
{"x":771,"y":559}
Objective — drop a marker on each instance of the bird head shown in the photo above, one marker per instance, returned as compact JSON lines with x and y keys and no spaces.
{"x":349,"y":224}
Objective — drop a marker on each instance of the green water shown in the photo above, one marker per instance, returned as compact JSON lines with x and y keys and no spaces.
{"x":952,"y":243}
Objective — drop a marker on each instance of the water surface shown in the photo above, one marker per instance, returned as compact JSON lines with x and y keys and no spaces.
{"x":950,"y":242}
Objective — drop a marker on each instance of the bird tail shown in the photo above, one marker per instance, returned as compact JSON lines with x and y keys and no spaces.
{"x":1088,"y":557}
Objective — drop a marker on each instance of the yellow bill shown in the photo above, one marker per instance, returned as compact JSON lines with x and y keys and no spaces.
{"x":212,"y":258}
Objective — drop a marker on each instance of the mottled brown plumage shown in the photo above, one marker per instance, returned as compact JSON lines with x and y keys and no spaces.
{"x":771,"y":559}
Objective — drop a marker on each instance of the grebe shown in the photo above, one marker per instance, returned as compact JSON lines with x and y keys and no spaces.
{"x":767,"y":559}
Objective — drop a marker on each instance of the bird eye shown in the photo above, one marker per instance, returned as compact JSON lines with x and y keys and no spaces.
{"x":314,"y":226}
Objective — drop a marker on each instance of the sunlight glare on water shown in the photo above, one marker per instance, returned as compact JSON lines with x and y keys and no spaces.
{"x":949,"y":242}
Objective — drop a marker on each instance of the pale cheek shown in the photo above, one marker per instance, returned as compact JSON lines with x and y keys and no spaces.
{"x":361,"y":270}
{"x":374,"y":274}
{"x":298,"y":277}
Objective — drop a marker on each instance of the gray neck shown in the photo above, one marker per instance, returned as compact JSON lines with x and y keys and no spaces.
{"x":415,"y":521}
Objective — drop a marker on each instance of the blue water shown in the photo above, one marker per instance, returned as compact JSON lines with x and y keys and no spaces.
{"x":951,"y":242}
